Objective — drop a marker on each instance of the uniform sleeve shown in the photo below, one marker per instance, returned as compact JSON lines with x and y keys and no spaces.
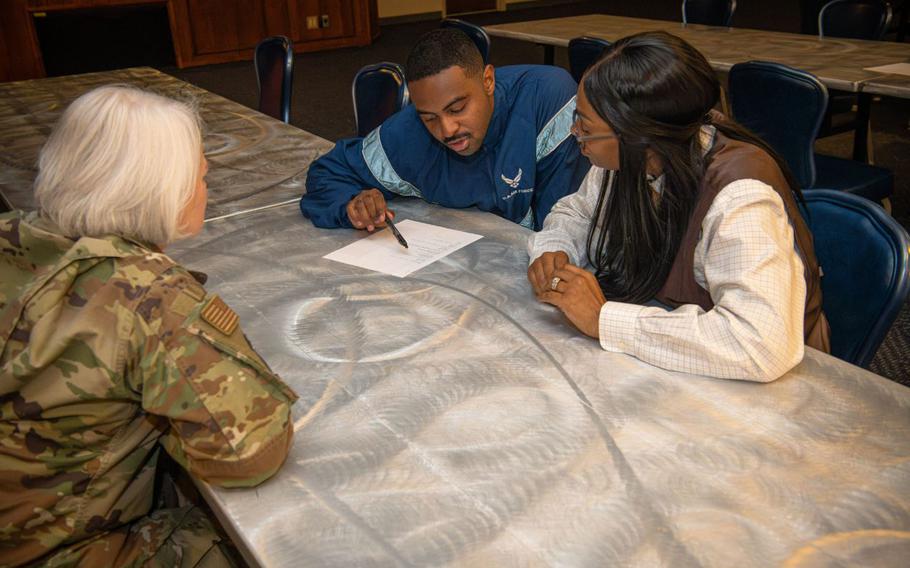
{"x":560,"y":165}
{"x":333,"y":180}
{"x":566,"y":227}
{"x":748,"y":260}
{"x":229,"y":415}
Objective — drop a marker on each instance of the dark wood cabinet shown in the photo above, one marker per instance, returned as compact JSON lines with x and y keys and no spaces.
{"x":203,"y":31}
{"x":337,"y":17}
{"x":218,"y":27}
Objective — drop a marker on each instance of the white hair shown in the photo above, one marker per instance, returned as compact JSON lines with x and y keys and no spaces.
{"x":123,"y":162}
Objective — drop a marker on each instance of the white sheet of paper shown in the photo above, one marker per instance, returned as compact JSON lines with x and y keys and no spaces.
{"x":895,"y":68}
{"x":382,"y":253}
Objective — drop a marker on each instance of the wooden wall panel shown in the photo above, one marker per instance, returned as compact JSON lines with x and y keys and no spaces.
{"x":277,"y":19}
{"x":49,"y":5}
{"x":218,"y":25}
{"x":20,"y":52}
{"x":203,"y":31}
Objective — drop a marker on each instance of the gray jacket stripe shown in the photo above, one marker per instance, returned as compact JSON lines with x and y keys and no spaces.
{"x":528,"y":221}
{"x":557,"y":129}
{"x":376,"y":159}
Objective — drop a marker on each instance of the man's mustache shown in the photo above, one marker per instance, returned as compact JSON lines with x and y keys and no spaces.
{"x":451,"y":139}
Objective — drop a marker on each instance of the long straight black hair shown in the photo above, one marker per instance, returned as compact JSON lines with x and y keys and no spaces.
{"x":656,"y":92}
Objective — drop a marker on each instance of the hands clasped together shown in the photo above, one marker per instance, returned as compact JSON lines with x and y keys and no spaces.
{"x":573,"y":290}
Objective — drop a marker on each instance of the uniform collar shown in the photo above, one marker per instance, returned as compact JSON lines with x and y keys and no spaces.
{"x":497,"y":127}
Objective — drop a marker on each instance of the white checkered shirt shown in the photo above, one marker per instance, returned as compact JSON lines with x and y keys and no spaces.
{"x":746,"y":259}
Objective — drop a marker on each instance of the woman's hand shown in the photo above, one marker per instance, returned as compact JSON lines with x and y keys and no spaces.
{"x":579,"y":296}
{"x":543,"y":269}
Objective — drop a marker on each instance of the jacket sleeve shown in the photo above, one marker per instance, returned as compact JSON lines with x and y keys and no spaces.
{"x":560,"y":165}
{"x":229,"y":415}
{"x":333,"y":180}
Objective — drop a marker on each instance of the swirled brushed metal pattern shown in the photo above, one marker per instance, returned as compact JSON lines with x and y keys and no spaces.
{"x":448,"y":418}
{"x":254,"y":160}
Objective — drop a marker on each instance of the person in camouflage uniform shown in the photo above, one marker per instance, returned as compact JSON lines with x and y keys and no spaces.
{"x":111,"y":352}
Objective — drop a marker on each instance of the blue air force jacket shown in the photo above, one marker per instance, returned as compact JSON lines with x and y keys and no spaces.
{"x":528,"y":159}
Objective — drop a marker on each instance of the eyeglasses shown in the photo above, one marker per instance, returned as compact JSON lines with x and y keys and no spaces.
{"x":593,"y":137}
{"x":586,"y":138}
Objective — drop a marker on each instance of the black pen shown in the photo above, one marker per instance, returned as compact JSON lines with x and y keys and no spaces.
{"x":395,"y":232}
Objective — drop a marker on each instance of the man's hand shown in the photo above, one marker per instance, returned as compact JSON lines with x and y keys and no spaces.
{"x":579,"y":296}
{"x":367,"y":210}
{"x":543,"y":269}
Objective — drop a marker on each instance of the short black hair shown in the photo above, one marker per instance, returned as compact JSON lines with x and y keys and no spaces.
{"x":440,"y":49}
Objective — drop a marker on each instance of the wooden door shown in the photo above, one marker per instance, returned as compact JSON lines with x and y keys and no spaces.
{"x":321,"y":19}
{"x":219,"y":26}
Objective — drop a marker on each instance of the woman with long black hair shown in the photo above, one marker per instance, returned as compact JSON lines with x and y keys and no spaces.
{"x":699,"y":259}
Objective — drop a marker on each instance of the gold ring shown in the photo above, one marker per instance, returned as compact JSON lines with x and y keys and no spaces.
{"x":555,"y":282}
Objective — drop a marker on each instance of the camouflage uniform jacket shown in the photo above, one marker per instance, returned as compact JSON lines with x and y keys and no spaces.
{"x":107,"y":353}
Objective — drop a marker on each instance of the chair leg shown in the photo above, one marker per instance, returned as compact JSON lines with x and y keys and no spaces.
{"x":549,"y":54}
{"x":870,"y":146}
{"x":724,"y":102}
{"x":861,"y":136}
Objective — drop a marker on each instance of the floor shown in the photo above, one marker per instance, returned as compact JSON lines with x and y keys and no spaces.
{"x":321,"y":102}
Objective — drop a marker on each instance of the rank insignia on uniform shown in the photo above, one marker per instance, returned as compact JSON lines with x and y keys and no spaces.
{"x":220,"y":316}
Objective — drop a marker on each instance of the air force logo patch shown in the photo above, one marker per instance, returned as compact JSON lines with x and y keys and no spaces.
{"x":513,"y":183}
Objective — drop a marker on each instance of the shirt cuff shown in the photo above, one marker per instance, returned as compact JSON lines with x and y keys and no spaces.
{"x":540,"y":246}
{"x":619,"y":326}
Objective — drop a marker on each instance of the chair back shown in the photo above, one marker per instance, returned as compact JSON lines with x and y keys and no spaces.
{"x":865,"y":260}
{"x":583,"y":52}
{"x":274,"y":61}
{"x":379,"y":91}
{"x":708,"y":12}
{"x":784,"y":107}
{"x":856,"y":19}
{"x":477,"y":34}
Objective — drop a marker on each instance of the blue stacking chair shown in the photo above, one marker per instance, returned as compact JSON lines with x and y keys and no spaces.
{"x":477,"y":34}
{"x":379,"y":91}
{"x":785,"y":107}
{"x":274,"y":62}
{"x":865,"y":259}
{"x":855,"y":19}
{"x":708,"y":12}
{"x":583,"y":52}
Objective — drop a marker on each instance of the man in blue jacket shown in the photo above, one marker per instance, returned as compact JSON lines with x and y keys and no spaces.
{"x":499,"y":141}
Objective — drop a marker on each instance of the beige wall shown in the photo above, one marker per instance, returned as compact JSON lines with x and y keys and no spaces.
{"x":393,"y":8}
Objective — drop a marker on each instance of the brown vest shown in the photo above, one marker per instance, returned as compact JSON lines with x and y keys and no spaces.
{"x":732,"y":160}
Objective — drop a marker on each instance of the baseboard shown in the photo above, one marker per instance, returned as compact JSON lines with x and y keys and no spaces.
{"x":410,"y":18}
{"x":536,"y":4}
{"x":437,"y":15}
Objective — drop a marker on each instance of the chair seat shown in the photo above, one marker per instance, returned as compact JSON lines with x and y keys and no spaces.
{"x":871,"y":182}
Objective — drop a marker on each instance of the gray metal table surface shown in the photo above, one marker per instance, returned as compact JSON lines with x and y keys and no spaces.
{"x":254,"y":160}
{"x":839,"y":63}
{"x":447,"y":418}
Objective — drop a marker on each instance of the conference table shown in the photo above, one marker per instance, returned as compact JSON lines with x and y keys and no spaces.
{"x":839,"y":63}
{"x":447,"y":418}
{"x":255,"y":161}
